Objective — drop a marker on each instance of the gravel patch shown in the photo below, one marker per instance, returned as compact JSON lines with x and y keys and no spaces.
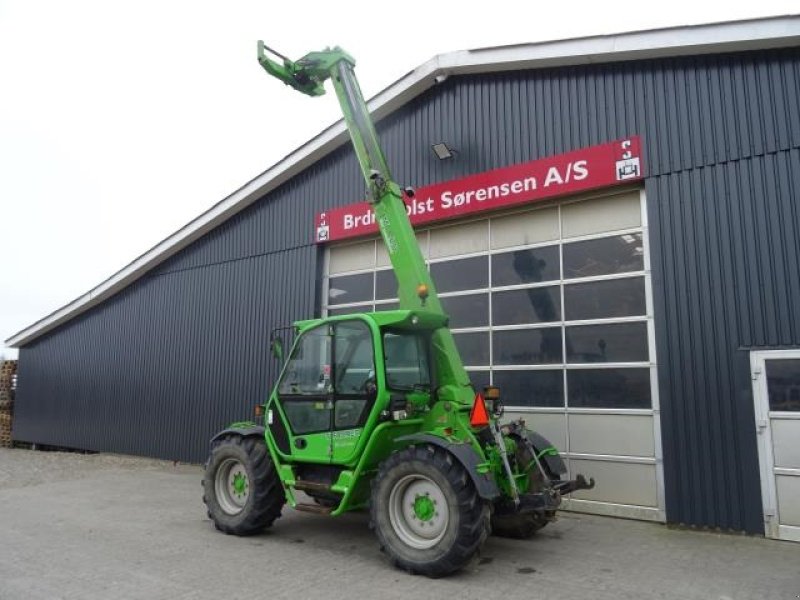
{"x":23,"y":468}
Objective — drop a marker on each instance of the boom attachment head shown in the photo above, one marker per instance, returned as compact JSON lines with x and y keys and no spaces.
{"x":307,"y":74}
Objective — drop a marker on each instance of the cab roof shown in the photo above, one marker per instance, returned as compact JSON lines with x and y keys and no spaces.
{"x":395,"y":319}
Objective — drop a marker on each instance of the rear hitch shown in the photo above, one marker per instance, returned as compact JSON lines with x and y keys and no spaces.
{"x":543,"y":502}
{"x":573,"y":485}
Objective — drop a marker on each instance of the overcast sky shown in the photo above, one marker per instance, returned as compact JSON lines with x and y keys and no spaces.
{"x":121,"y":121}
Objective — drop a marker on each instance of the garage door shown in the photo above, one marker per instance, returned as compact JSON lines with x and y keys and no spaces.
{"x":552,"y":305}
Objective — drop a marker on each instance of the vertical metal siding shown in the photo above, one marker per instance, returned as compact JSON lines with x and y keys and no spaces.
{"x":158,"y":368}
{"x":726,"y":275}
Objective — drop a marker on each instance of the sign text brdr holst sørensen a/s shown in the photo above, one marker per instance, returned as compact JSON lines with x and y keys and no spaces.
{"x":590,"y":168}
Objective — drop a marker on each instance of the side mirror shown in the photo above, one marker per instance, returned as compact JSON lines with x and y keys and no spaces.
{"x":276,"y":347}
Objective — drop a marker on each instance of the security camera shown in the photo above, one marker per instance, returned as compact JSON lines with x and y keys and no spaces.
{"x":440,"y":78}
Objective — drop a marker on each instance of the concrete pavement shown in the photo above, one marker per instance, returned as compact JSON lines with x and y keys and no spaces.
{"x":99,"y":527}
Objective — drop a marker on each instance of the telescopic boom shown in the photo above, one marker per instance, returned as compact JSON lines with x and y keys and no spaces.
{"x":416,"y":289}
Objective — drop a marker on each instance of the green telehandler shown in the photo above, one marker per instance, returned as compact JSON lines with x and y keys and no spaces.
{"x":375,"y":410}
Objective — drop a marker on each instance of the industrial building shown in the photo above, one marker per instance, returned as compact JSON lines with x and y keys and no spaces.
{"x":613,"y":224}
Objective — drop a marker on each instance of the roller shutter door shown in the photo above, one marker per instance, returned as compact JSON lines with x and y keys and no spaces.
{"x":554,"y":306}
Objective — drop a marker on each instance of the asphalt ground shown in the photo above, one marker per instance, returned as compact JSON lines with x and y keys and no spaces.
{"x":102,"y":526}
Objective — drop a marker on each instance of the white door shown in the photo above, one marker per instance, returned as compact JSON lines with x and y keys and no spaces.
{"x":776,"y":390}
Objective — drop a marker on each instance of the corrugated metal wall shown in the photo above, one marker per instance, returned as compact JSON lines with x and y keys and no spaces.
{"x":725,"y":247}
{"x":159,"y":367}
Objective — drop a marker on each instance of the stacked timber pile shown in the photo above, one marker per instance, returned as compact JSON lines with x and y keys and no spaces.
{"x":8,"y":374}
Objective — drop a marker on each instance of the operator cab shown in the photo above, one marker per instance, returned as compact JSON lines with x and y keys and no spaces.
{"x":345,"y":374}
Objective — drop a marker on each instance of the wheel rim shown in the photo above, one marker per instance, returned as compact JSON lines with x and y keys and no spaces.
{"x":418,"y":511}
{"x":232,"y":486}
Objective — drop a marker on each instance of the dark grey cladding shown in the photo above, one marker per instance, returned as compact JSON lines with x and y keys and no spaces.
{"x":161,"y":366}
{"x":725,"y":253}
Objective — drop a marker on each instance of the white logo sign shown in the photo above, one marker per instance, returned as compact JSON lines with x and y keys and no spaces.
{"x":628,"y":167}
{"x":323,"y":231}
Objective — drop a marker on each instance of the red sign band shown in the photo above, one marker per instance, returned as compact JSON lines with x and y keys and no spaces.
{"x":590,"y":168}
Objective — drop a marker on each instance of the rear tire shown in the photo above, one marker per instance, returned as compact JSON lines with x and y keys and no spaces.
{"x":426,"y":512}
{"x":241,"y":488}
{"x":524,"y":526}
{"x":520,"y":527}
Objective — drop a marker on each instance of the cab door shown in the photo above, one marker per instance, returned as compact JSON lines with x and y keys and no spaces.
{"x":305,"y":397}
{"x":355,"y":386}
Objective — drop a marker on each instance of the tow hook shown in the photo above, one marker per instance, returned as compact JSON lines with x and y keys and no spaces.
{"x":579,"y":483}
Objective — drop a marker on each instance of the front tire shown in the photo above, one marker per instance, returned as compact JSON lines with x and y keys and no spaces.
{"x":241,"y":488}
{"x":426,"y":512}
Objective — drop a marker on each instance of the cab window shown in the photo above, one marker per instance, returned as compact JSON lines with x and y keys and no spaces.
{"x":329,"y":374}
{"x":354,"y":372}
{"x":306,"y":383}
{"x":407,"y":362}
{"x":308,"y":372}
{"x":354,"y":358}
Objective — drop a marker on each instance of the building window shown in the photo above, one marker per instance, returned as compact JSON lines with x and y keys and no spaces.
{"x":462,"y":274}
{"x":527,"y":265}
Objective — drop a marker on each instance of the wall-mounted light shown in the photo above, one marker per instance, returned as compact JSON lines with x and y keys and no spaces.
{"x":443,"y":151}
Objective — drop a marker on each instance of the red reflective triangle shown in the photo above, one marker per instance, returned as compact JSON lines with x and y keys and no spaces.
{"x":479,"y":416}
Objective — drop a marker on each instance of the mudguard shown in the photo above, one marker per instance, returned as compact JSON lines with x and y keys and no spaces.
{"x":245,"y":431}
{"x":469,"y":459}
